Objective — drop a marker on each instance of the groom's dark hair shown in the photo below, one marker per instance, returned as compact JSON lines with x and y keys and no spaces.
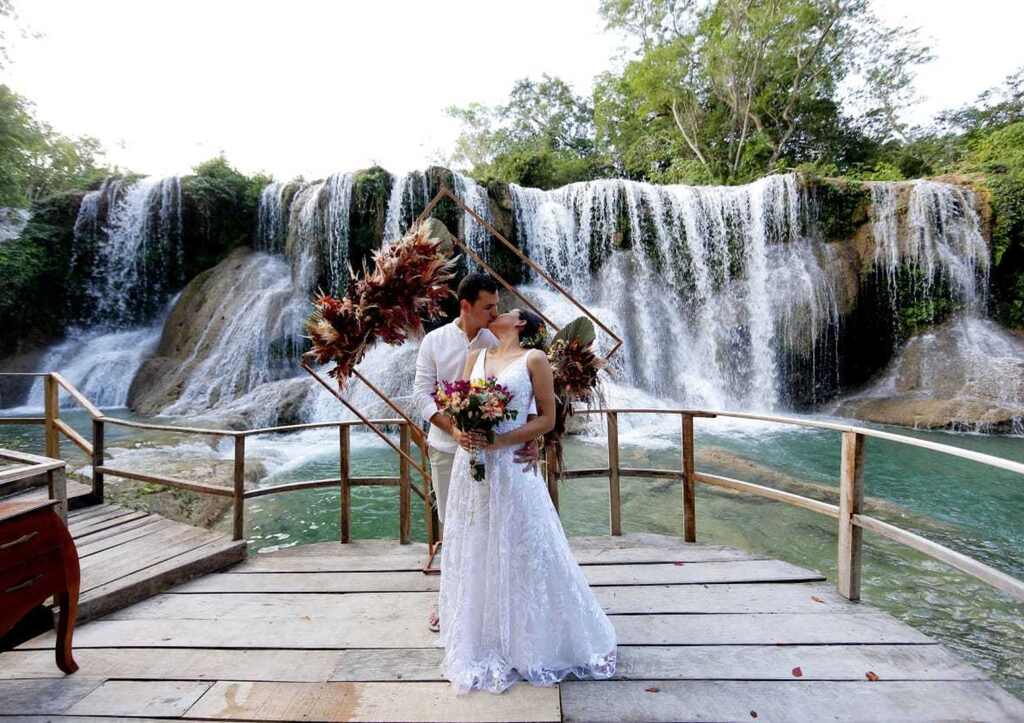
{"x":471,"y":286}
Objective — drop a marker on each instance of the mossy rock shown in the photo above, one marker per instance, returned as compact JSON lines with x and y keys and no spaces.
{"x":37,"y":289}
{"x":840,"y":206}
{"x":218,"y":215}
{"x":371,"y":189}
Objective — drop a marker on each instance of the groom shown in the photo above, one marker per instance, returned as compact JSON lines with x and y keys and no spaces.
{"x":441,"y":357}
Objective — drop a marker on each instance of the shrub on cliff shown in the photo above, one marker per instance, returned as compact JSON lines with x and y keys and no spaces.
{"x":220,"y":206}
{"x":34,"y":268}
{"x":999,"y":155}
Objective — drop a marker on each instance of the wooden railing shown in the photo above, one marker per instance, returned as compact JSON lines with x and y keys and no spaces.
{"x":237,"y":489}
{"x":28,"y":467}
{"x":849,"y":513}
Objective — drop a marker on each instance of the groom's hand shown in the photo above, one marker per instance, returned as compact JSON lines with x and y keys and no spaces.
{"x":528,"y":455}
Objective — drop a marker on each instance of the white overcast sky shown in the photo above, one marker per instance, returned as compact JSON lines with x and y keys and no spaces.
{"x":310,"y":87}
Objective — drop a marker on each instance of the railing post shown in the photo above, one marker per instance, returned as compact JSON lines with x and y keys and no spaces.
{"x":56,"y":481}
{"x":346,"y":490}
{"x":689,"y":502}
{"x":429,"y":513}
{"x":614,"y":500}
{"x":851,"y":502}
{"x":52,"y":404}
{"x":97,"y":460}
{"x":404,"y":502}
{"x":551,"y":459}
{"x":239,"y":526}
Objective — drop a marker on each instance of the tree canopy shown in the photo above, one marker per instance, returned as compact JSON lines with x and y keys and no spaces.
{"x":713,"y":91}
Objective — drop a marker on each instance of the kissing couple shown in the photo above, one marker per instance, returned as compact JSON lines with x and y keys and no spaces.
{"x":514,"y":604}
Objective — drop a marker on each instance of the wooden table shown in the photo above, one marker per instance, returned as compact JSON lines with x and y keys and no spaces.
{"x":38,"y":559}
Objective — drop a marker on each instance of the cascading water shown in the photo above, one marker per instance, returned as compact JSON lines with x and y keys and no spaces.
{"x":272,"y":217}
{"x":251,"y":336}
{"x":128,"y":256}
{"x":131,"y":234}
{"x":99,"y":364}
{"x":706,"y":284}
{"x":410,"y":194}
{"x":928,"y":244}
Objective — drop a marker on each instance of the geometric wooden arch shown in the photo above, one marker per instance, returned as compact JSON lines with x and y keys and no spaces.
{"x":422,"y":467}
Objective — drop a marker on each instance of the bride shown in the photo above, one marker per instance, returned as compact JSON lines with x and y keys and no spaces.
{"x":514,"y":603}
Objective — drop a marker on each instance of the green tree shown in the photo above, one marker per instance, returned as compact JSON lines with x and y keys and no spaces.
{"x":543,"y":136}
{"x":751,"y":86}
{"x":35,"y":160}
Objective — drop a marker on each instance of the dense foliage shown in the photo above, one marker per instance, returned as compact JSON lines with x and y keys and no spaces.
{"x":35,"y":160}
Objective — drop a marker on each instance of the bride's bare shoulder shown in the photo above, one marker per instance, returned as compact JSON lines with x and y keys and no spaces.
{"x":537,"y":358}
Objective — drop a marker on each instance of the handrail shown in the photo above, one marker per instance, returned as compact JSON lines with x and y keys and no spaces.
{"x":168,"y":427}
{"x":979,"y":457}
{"x":849,"y":512}
{"x":313,"y":425}
{"x":88,"y":406}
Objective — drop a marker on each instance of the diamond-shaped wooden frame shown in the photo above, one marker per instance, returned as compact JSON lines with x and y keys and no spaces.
{"x":433,"y":541}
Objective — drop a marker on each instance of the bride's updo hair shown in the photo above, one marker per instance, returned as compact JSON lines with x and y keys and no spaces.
{"x":533,"y":335}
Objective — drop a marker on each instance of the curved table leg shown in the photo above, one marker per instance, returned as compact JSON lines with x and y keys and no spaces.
{"x":68,"y":602}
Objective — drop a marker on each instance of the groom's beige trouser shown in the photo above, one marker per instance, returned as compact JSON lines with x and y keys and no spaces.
{"x":441,"y":475}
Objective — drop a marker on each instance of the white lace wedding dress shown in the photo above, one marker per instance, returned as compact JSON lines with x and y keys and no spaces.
{"x":514,"y":603}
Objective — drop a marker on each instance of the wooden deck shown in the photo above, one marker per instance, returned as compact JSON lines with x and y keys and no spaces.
{"x":129,"y":555}
{"x":333,"y":632}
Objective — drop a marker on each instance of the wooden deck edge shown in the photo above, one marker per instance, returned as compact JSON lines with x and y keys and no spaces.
{"x":205,"y":559}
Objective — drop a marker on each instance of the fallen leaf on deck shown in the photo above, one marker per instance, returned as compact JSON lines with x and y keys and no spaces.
{"x":872,"y":676}
{"x":815,"y":598}
{"x":753,"y":714}
{"x":797,"y":673}
{"x":651,"y":690}
{"x":678,"y":563}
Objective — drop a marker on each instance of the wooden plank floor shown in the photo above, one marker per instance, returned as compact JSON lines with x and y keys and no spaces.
{"x":334,"y":632}
{"x":129,"y":555}
{"x":79,"y":495}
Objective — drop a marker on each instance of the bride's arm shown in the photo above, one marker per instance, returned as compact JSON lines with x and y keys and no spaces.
{"x":544,"y":394}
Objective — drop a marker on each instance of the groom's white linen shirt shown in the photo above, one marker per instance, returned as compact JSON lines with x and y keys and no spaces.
{"x":442,"y":357}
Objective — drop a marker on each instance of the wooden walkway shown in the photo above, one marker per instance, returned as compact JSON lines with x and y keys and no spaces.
{"x":129,"y":555}
{"x":333,"y":632}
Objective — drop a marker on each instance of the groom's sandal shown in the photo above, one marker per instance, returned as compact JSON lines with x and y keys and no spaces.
{"x":433,"y":622}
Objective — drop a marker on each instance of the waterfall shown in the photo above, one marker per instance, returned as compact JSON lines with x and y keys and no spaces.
{"x":310,"y":224}
{"x":706,"y":284}
{"x":99,"y":364}
{"x":272,"y":217}
{"x":127,"y":255}
{"x":410,"y":194}
{"x":251,"y":336}
{"x":132,"y":233}
{"x":474,"y":233}
{"x":928,"y":236}
{"x":726,"y":297}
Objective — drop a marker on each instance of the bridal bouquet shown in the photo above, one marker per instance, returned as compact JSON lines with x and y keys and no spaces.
{"x":475,"y":406}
